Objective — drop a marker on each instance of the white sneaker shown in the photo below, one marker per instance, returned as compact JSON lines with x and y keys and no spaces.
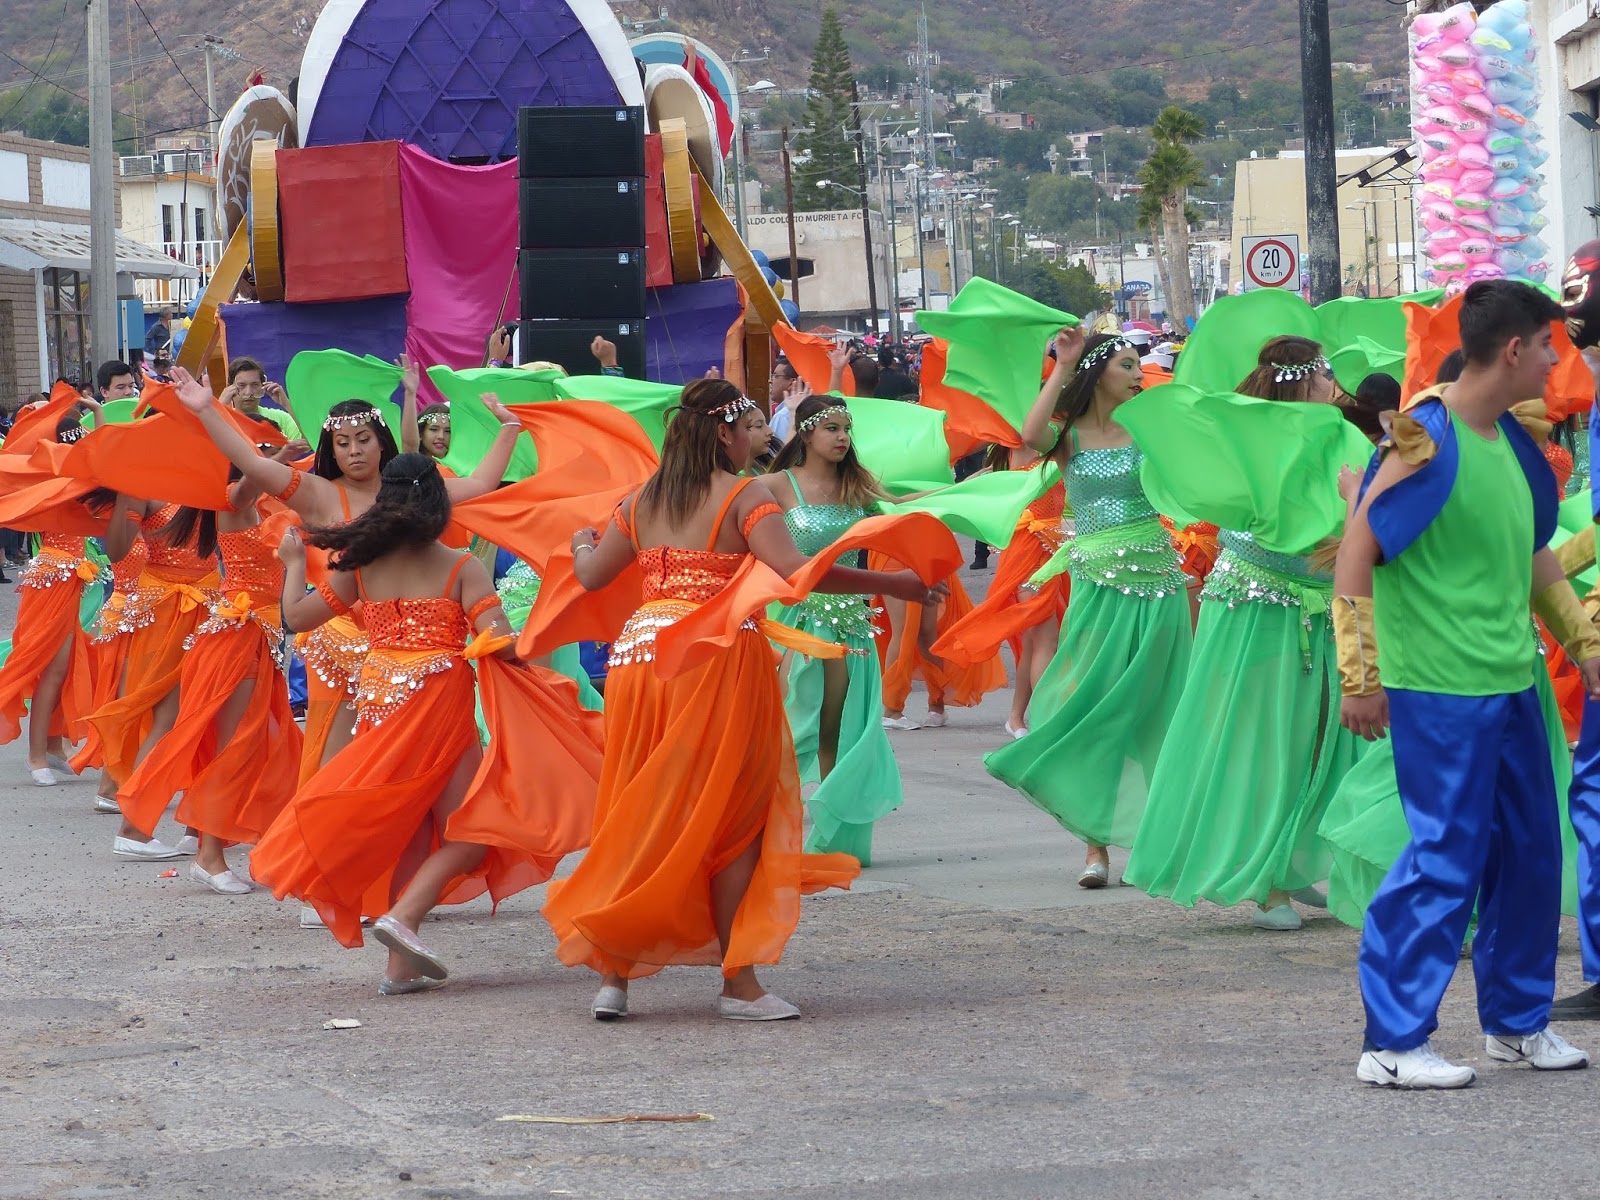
{"x":151,"y":851}
{"x":105,"y":804}
{"x":1418,"y":1068}
{"x":1543,"y":1051}
{"x":188,"y":844}
{"x":905,"y":723}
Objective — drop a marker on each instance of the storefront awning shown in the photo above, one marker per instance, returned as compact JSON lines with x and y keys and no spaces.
{"x":34,"y":245}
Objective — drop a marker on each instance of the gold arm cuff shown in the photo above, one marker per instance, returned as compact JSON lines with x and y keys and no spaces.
{"x":1409,"y":438}
{"x":1356,"y":643}
{"x":1561,"y":611}
{"x":1577,"y":553}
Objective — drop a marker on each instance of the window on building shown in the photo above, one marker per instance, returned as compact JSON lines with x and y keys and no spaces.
{"x":66,"y":297}
{"x":169,"y":224}
{"x":199,"y":224}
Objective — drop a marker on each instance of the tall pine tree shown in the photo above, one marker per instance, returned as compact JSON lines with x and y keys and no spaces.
{"x":826,"y":137}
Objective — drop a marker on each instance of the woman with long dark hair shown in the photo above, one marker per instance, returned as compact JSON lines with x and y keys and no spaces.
{"x":834,"y":705}
{"x":696,"y":857}
{"x":1101,"y":709}
{"x":234,"y":748}
{"x":1255,"y":751}
{"x":411,"y":813}
{"x":353,"y":447}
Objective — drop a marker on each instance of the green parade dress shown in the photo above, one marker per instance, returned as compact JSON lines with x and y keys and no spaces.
{"x":518,"y":588}
{"x":864,"y":785}
{"x":1255,"y":752}
{"x":1365,"y":825}
{"x":1102,"y":707}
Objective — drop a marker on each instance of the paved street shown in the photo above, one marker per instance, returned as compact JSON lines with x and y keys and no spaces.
{"x":975,"y":1026}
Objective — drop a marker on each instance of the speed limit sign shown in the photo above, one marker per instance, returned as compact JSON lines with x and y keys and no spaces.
{"x":1272,"y":261}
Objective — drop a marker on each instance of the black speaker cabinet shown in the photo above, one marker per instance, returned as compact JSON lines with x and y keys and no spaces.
{"x":567,"y":344}
{"x":587,"y":284}
{"x":581,"y":140}
{"x":577,"y":214}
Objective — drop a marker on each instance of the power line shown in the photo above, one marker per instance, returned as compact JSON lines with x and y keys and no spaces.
{"x":210,"y":113}
{"x":53,"y":37}
{"x":40,"y":77}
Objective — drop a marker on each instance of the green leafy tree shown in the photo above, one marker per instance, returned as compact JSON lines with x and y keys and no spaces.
{"x":1168,"y":174}
{"x":826,"y":149}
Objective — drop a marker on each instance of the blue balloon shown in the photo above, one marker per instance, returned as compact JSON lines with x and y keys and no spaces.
{"x":791,"y":311}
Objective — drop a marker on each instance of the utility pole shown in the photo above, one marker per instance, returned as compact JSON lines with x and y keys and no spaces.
{"x":866,"y":211}
{"x":1322,"y":171}
{"x":887,"y":172}
{"x":211,"y":95}
{"x":922,"y":262}
{"x":103,"y":343}
{"x":788,"y":203}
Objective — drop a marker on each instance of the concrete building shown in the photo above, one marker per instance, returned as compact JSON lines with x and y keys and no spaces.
{"x":1569,"y":117}
{"x":1377,"y":224}
{"x":44,"y":266}
{"x":169,"y":201}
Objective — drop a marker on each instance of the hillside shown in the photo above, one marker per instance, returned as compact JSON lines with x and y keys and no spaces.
{"x":1192,"y":44}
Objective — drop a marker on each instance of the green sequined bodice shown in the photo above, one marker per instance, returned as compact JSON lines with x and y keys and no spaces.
{"x":1248,"y":573}
{"x":518,"y":587}
{"x":1118,"y":540}
{"x":814,"y":527}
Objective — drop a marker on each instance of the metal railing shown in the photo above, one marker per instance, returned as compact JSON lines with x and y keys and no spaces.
{"x":203,"y":255}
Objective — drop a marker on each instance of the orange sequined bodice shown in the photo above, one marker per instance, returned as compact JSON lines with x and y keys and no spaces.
{"x":169,"y":559}
{"x":697,"y":576}
{"x":1052,"y":504}
{"x":125,"y":571}
{"x":64,"y":543}
{"x":425,"y":623}
{"x":249,"y":564}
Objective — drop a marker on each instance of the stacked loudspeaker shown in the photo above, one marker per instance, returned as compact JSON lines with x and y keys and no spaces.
{"x":581,"y":232}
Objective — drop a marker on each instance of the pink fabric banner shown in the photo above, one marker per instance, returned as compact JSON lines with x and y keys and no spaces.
{"x":461,"y":255}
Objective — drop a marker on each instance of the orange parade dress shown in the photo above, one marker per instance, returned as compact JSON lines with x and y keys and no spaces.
{"x":698,"y":766}
{"x":337,"y":844}
{"x":175,"y":586}
{"x":232,"y":791}
{"x":47,"y":618}
{"x":963,"y":684}
{"x":333,"y":652}
{"x":1012,"y":606}
{"x":124,"y":612}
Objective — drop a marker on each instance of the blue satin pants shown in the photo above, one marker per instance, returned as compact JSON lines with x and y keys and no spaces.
{"x":1475,"y":781}
{"x":1583,"y":810}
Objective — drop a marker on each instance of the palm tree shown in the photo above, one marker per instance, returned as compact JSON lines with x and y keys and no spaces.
{"x":1149,"y":216}
{"x":1168,"y":174}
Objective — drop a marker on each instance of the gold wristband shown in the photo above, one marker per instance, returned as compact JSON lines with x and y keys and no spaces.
{"x":1562,"y":612}
{"x":1356,"y":643}
{"x":1576,"y":554}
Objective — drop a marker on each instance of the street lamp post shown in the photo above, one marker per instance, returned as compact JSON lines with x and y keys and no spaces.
{"x":872,"y":287}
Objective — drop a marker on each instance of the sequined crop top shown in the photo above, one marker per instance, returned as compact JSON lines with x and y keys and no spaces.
{"x":248,"y":563}
{"x":1105,"y":490}
{"x":674,"y":573}
{"x":63,"y":543}
{"x":815,"y":526}
{"x":181,"y":560}
{"x":125,"y":571}
{"x":419,"y":623}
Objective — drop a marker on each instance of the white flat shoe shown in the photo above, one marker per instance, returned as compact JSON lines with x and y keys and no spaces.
{"x":409,"y":946}
{"x":610,"y":1004}
{"x":1095,"y":875}
{"x":905,"y":723}
{"x":105,"y":804}
{"x":151,"y":851}
{"x":934,"y":720}
{"x":768,"y":1008}
{"x":1015,"y":734}
{"x":188,"y":844}
{"x":224,"y":882}
{"x":43,"y":777}
{"x":1282,"y":917}
{"x":310,"y":918}
{"x":407,"y":987}
{"x":60,"y":766}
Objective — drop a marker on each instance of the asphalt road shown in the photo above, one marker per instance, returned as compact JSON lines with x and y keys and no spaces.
{"x":975,"y":1026}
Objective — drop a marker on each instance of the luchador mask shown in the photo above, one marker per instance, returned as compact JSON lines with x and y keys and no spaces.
{"x":1580,"y":295}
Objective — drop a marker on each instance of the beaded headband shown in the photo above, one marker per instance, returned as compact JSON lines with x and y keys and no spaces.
{"x":432,"y":419}
{"x":1295,"y":372}
{"x":1102,"y":351}
{"x":350,"y":420}
{"x":817,"y":418}
{"x":67,"y":436}
{"x":732,"y":410}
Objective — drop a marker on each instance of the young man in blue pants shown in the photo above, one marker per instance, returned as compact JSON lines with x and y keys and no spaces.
{"x":1447,"y":544}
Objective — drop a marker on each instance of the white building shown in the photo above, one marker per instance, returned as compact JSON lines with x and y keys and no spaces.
{"x":169,"y":201}
{"x":1569,"y":74}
